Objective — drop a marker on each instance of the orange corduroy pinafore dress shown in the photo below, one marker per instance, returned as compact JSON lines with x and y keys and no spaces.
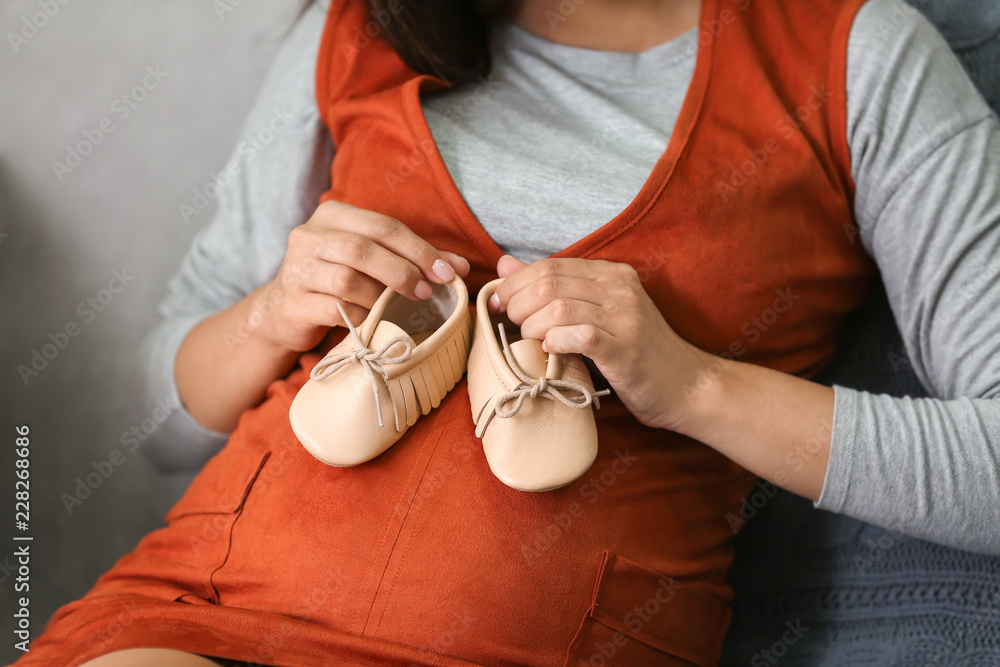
{"x":744,"y":238}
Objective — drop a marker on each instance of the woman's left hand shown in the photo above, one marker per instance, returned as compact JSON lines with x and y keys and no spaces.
{"x":599,"y":309}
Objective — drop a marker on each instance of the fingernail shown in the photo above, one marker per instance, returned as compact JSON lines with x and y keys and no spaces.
{"x":443,"y":270}
{"x":495,"y":303}
{"x":423,"y":290}
{"x":544,"y":348}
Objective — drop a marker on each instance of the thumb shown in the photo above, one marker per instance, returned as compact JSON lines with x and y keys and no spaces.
{"x":508,"y":265}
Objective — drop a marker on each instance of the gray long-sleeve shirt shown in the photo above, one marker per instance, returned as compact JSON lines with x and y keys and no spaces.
{"x":925,"y":151}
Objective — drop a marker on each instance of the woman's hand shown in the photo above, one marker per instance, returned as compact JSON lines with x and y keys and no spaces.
{"x":348,"y":255}
{"x":342,"y":254}
{"x":600,"y":310}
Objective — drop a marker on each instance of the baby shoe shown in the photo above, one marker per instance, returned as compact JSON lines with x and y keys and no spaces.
{"x":399,"y":364}
{"x":531,"y":409}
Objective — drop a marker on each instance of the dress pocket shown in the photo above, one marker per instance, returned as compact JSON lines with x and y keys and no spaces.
{"x":642,"y":617}
{"x":221,"y":486}
{"x":198,"y":536}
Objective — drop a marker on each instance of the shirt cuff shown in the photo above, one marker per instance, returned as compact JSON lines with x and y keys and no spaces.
{"x":843,"y":440}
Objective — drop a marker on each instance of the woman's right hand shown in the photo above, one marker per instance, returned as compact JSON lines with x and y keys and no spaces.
{"x":348,"y":255}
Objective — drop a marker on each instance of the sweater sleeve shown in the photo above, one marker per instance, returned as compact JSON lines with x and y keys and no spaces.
{"x":925,"y":151}
{"x":271,"y":184}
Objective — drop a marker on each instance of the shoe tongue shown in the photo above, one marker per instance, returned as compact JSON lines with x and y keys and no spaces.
{"x":384,"y":332}
{"x":530,"y":356}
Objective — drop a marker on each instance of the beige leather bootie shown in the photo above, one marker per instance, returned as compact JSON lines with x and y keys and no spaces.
{"x":398,"y":365}
{"x":532,"y":410}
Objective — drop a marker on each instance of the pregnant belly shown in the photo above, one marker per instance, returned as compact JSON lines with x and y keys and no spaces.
{"x":424,"y":546}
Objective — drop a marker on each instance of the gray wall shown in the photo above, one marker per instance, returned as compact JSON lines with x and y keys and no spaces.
{"x":117,"y":210}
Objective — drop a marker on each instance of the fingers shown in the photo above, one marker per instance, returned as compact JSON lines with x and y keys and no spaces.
{"x":585,"y":339}
{"x":586,"y":269}
{"x":350,"y":255}
{"x":460,"y":264}
{"x":572,"y":305}
{"x":321,"y":310}
{"x":509,"y":265}
{"x":392,"y":235}
{"x":546,"y":291}
{"x":366,"y":256}
{"x":563,"y":313}
{"x":342,"y":282}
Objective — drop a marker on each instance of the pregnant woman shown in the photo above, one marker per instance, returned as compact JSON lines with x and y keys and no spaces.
{"x":692,"y":195}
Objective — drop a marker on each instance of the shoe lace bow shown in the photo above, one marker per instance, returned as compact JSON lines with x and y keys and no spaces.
{"x":371,"y":360}
{"x":568,"y":392}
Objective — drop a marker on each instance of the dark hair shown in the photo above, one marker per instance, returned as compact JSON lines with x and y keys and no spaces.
{"x":446,"y":38}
